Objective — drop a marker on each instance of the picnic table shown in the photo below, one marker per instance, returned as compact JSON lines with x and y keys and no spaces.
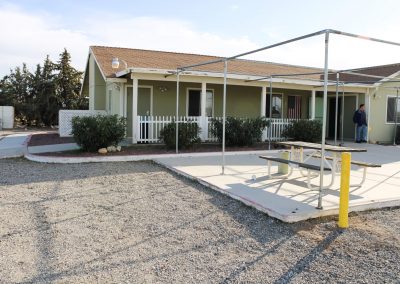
{"x":298,"y":158}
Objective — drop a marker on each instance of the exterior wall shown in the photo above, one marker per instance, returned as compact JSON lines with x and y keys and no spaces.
{"x":242,"y":101}
{"x":112,"y":99}
{"x":100,"y":90}
{"x":97,"y":87}
{"x":164,"y":103}
{"x":379,"y":129}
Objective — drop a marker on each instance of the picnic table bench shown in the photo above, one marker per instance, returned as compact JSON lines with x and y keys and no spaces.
{"x":293,"y":164}
{"x":360,"y":164}
{"x":297,"y":160}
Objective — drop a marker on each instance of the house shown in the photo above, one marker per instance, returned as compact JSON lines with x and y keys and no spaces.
{"x":143,"y":89}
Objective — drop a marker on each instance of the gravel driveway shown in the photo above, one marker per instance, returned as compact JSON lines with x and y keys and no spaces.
{"x":139,"y":223}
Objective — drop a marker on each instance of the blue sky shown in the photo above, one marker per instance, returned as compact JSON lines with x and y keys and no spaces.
{"x":33,"y":29}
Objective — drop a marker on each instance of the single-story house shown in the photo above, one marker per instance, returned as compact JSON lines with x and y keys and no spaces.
{"x":143,"y":89}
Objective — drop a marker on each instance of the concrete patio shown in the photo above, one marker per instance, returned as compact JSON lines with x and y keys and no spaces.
{"x":289,"y":199}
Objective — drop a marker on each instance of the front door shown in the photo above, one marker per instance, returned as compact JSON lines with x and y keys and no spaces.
{"x":144,"y":101}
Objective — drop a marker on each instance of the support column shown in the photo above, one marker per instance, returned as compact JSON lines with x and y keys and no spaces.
{"x":313,"y":104}
{"x":263,"y":101}
{"x":203,"y":120}
{"x":263,"y":111}
{"x":135,"y":128}
{"x":121,"y":100}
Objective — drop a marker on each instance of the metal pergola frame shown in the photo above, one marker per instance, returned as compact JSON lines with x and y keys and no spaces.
{"x":326,"y":71}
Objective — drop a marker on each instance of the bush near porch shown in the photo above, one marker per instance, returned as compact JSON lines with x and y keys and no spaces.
{"x":240,"y":131}
{"x":304,"y":130}
{"x":94,"y":132}
{"x":188,"y":135}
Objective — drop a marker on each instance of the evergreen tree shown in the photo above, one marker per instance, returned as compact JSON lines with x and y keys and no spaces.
{"x":17,"y":85}
{"x":38,"y":97}
{"x":48,"y":102}
{"x":69,"y":84}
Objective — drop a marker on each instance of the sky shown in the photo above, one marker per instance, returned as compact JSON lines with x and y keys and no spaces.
{"x":32,"y":29}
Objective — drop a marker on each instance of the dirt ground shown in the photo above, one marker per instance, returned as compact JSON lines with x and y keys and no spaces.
{"x":139,"y":223}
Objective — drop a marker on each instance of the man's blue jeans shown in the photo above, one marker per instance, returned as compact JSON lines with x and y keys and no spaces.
{"x":361,"y":133}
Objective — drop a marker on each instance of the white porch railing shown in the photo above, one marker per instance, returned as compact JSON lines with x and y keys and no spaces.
{"x":277,"y":125}
{"x":149,"y":127}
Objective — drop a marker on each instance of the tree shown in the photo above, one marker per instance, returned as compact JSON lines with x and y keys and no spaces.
{"x":17,"y":86}
{"x":47,"y":103}
{"x":69,"y":84}
{"x":38,"y":97}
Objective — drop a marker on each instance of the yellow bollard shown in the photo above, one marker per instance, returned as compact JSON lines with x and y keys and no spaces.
{"x":344,"y":191}
{"x":283,"y":168}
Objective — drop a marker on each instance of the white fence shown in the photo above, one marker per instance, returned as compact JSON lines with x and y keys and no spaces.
{"x":6,"y":117}
{"x":65,"y":119}
{"x":149,"y":127}
{"x":274,"y":131}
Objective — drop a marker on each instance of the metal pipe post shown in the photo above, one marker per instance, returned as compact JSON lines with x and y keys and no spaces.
{"x":224,"y":116}
{"x":336,"y":106}
{"x":177,"y":112}
{"x":321,"y":177}
{"x":395,"y":117}
{"x":342,"y":117}
{"x":270,"y":112}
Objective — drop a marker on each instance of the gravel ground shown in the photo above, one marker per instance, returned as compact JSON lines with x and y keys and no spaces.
{"x":138,"y":223}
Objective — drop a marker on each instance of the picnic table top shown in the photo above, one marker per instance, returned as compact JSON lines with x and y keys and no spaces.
{"x":317,"y":146}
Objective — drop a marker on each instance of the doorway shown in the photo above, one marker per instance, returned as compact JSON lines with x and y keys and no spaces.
{"x":349,"y":106}
{"x":331,"y":118}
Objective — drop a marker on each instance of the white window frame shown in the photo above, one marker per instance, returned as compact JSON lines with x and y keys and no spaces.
{"x":199,"y":89}
{"x":398,"y":110}
{"x":266,"y":99}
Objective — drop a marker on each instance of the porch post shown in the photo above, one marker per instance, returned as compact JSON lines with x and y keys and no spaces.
{"x":262,"y":109}
{"x":203,"y":120}
{"x":263,"y":100}
{"x":313,"y":104}
{"x":135,"y":90}
{"x":121,"y":100}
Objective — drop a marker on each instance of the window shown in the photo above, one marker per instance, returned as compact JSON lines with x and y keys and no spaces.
{"x":391,"y":110}
{"x":294,"y":107}
{"x":276,"y":106}
{"x":194,"y":103}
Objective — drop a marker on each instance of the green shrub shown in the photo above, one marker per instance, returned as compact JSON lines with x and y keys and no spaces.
{"x":94,"y":132}
{"x":304,"y":130}
{"x":240,"y":131}
{"x":188,"y":135}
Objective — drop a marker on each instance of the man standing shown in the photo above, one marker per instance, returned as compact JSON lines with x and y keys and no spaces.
{"x":360,"y":119}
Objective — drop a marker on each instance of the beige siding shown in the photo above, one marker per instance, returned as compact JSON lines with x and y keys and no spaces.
{"x":379,"y":129}
{"x":99,"y":90}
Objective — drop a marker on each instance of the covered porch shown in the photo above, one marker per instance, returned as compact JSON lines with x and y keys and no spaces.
{"x":201,"y":102}
{"x":149,"y":104}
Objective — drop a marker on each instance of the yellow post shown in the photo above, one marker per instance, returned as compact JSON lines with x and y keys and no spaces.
{"x":344,"y":191}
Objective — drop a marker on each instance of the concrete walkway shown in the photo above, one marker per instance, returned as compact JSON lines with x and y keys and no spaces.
{"x":14,"y":145}
{"x":290,"y":200}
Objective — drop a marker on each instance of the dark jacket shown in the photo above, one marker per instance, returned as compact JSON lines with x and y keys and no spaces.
{"x":360,"y":118}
